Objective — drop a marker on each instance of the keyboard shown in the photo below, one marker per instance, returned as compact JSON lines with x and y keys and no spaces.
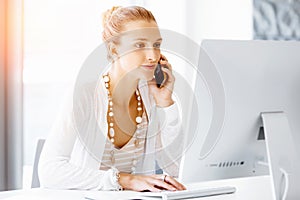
{"x":191,"y":193}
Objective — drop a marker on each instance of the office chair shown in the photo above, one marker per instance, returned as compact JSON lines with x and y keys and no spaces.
{"x":35,"y":182}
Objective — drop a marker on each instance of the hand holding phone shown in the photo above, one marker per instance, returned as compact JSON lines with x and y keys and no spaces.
{"x":164,"y":81}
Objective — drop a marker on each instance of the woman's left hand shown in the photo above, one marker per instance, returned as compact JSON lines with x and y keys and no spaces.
{"x":163,"y":95}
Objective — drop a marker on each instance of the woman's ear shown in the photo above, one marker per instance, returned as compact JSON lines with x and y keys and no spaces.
{"x":112,"y":50}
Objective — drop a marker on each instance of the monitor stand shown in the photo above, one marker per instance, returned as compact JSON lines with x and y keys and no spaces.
{"x":282,"y":160}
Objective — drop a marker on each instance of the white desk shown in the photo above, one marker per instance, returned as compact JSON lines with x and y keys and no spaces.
{"x":258,"y":188}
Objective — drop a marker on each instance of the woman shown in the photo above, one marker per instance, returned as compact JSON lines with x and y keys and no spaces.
{"x":141,"y":120}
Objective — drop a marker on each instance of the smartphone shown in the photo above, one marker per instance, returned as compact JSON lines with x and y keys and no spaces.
{"x":159,"y":75}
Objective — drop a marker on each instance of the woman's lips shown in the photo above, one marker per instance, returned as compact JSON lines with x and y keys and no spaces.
{"x":150,"y":67}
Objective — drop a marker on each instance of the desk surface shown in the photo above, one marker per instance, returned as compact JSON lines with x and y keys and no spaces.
{"x":247,"y":189}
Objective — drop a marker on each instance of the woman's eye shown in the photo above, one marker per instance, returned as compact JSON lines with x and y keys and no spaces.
{"x":156,"y":45}
{"x":140,"y":45}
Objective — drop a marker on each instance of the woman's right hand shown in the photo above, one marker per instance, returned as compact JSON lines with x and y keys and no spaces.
{"x":153,"y":183}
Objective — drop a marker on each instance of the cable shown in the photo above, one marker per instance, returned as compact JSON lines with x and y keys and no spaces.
{"x":285,"y":175}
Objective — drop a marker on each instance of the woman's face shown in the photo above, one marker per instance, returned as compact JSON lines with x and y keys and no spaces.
{"x":139,"y":49}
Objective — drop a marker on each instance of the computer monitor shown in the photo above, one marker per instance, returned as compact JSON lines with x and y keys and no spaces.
{"x":246,"y":111}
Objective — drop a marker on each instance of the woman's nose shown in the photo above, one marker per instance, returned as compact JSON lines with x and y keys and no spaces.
{"x":152,"y":55}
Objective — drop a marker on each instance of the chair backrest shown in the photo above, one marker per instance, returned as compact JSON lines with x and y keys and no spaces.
{"x":35,"y":182}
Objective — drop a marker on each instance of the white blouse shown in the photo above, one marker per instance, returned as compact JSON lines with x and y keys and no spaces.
{"x":74,"y":149}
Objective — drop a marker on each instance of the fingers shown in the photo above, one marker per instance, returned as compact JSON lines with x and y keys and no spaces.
{"x":162,"y":57}
{"x":155,"y":183}
{"x":175,"y":183}
{"x":170,"y":181}
{"x":165,"y":63}
{"x":170,"y":78}
{"x":163,"y":185}
{"x":152,"y":188}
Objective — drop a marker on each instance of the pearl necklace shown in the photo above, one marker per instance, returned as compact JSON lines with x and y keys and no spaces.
{"x":110,"y":119}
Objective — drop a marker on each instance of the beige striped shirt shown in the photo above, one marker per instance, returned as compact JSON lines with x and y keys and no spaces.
{"x":125,"y":158}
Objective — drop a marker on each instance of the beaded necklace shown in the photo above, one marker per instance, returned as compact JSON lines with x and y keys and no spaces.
{"x":111,"y":121}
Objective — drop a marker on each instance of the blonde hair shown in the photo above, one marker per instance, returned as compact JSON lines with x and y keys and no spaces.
{"x":114,"y":19}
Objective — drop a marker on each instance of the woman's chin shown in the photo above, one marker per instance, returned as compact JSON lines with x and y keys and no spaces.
{"x":146,"y":76}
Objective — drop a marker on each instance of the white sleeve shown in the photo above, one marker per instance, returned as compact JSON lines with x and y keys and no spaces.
{"x":55,"y":170}
{"x":170,"y":139}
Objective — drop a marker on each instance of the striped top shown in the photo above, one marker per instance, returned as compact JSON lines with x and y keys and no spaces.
{"x":125,"y":158}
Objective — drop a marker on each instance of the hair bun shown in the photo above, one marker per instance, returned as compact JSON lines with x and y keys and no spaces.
{"x":107,"y":14}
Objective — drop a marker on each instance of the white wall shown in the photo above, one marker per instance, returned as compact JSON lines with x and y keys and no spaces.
{"x":59,"y":35}
{"x":169,"y":14}
{"x":56,"y":30}
{"x":219,"y":19}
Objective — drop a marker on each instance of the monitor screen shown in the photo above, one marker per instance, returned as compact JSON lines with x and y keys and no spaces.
{"x":243,"y":79}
